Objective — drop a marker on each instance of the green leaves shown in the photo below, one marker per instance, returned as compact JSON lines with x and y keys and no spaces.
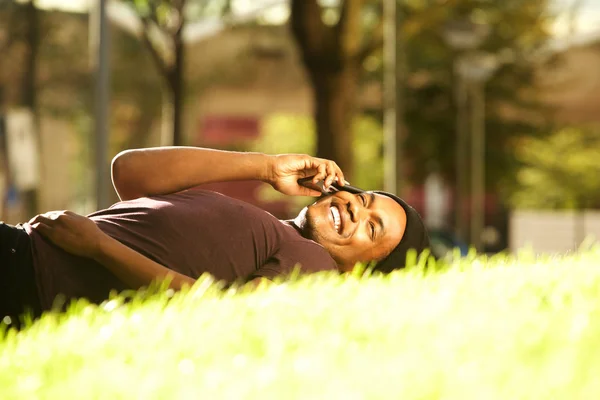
{"x":560,"y":171}
{"x":519,"y":27}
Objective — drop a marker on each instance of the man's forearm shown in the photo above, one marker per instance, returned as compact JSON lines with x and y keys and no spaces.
{"x":163,"y":170}
{"x":134,"y":269}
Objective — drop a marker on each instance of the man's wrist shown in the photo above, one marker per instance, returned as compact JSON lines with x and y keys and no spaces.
{"x":102,"y":248}
{"x":265,"y":167}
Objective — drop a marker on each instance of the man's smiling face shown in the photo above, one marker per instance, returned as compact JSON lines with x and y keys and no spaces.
{"x":354,"y":227}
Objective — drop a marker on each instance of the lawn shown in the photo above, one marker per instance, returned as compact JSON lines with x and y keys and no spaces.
{"x":499,"y":328}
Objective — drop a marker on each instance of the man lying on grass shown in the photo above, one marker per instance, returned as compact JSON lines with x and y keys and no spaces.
{"x":164,"y":226}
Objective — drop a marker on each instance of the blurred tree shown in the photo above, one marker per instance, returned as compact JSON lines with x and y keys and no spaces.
{"x":163,"y":23}
{"x":20,"y":28}
{"x":22,"y":32}
{"x":7,"y":25}
{"x":340,"y":46}
{"x":31,"y":26}
{"x":334,"y":42}
{"x":138,"y":102}
{"x":519,"y":31}
{"x":30,"y":21}
{"x":284,"y":133}
{"x":7,"y":38}
{"x":560,"y":171}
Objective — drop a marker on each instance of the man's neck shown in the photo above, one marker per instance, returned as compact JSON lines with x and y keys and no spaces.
{"x":298,"y":222}
{"x":292,"y":223}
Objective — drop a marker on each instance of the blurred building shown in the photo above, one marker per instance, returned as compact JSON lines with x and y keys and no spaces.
{"x":571,"y":84}
{"x":234,"y":80}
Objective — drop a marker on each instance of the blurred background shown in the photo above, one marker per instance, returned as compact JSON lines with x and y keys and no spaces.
{"x":485,"y":115}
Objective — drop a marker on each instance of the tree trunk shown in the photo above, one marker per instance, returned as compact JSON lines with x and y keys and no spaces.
{"x":176,"y":88}
{"x":32,"y":38}
{"x":331,"y":56}
{"x":334,"y":97}
{"x":28,"y":89}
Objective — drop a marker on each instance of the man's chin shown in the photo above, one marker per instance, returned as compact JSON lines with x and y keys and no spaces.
{"x":308,"y":224}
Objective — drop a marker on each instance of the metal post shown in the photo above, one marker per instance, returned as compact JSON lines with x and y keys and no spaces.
{"x":389,"y":94}
{"x":401,"y":131}
{"x":100,"y":53}
{"x":5,"y":167}
{"x":477,"y":163}
{"x":460,"y":92}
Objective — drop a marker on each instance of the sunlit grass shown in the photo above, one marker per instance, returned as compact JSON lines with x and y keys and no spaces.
{"x":503,"y":328}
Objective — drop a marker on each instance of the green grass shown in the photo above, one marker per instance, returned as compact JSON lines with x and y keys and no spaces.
{"x":504,"y":328}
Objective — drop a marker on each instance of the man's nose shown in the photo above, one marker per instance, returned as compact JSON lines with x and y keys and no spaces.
{"x":357,"y":211}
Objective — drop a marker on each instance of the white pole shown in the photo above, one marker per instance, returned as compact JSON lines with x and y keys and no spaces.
{"x":462,"y":154}
{"x":101,"y":64}
{"x":390,"y":94}
{"x":478,"y":164}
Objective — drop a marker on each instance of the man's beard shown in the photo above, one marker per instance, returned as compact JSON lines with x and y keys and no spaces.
{"x":306,"y":225}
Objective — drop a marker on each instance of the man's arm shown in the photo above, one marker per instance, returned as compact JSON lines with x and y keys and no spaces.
{"x":134,"y":269}
{"x":164,"y":170}
{"x":79,"y":235}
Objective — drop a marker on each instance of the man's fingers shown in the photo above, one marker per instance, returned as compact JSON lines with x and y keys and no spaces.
{"x":44,"y":229}
{"x":324,"y":170}
{"x":339,"y":175}
{"x":54,"y":215}
{"x":48,"y":219}
{"x":328,"y":172}
{"x":331,"y":174}
{"x":308,"y":173}
{"x":321,"y":174}
{"x":334,"y":174}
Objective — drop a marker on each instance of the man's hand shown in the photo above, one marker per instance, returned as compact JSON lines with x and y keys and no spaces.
{"x":73,"y":233}
{"x":286,"y":169}
{"x":80,"y":236}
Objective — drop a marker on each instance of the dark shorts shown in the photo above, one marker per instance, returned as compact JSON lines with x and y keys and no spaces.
{"x":18,"y":291}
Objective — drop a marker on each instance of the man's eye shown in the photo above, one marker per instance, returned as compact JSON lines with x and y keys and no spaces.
{"x":372,"y":226}
{"x":363,"y":199}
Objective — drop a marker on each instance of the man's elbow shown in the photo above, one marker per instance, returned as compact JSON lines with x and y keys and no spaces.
{"x":120,"y":173}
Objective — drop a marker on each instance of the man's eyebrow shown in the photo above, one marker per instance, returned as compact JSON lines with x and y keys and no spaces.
{"x":377,"y":218}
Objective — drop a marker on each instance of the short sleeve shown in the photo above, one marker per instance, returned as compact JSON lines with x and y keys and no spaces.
{"x":308,"y":256}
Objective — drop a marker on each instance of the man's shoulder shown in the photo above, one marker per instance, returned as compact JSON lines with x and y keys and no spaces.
{"x":311,"y":255}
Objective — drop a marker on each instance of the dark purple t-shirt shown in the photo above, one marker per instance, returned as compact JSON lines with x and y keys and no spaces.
{"x":192,"y":232}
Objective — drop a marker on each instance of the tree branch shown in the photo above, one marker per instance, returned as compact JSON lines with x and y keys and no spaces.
{"x":375,"y":43}
{"x":307,"y":26}
{"x":179,"y":6}
{"x":226,"y":8}
{"x":158,"y":60}
{"x":348,"y":29}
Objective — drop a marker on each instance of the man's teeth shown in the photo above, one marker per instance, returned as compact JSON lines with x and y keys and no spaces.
{"x":337,"y":221}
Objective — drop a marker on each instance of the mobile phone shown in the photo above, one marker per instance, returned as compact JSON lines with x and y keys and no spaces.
{"x":319,"y":186}
{"x":308,"y":182}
